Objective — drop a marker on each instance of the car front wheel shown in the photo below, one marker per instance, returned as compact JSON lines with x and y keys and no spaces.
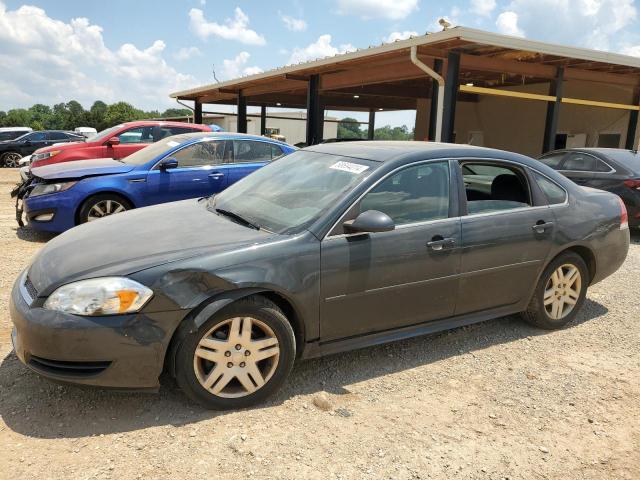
{"x":238,"y":357}
{"x":10,"y":159}
{"x":560,"y":292}
{"x":102,"y":205}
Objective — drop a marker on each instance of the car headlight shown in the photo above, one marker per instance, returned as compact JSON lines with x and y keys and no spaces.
{"x":99,"y":296}
{"x":45,"y":155}
{"x":46,"y":188}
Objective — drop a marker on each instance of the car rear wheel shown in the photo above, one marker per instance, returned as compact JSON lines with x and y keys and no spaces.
{"x":238,"y":357}
{"x":103,"y":205}
{"x":10,"y":159}
{"x":560,"y":292}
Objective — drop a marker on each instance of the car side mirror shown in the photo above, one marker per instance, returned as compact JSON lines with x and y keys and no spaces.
{"x":168,"y":164}
{"x":113,"y":141}
{"x":27,"y":142}
{"x":371,"y":221}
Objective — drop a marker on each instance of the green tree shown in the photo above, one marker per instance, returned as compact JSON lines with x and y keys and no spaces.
{"x":41,"y":116}
{"x":97,"y":115}
{"x":349,"y":128}
{"x":17,"y":117}
{"x":122,"y":112}
{"x":77,"y":115}
{"x":395,"y":133}
{"x":177,"y":112}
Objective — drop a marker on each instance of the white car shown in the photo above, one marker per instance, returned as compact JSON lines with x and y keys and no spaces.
{"x":10,"y":133}
{"x":87,"y":132}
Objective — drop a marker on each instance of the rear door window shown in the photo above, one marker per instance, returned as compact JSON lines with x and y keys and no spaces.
{"x":583,"y":162}
{"x":494,"y":187}
{"x":245,"y":151}
{"x":60,"y":136}
{"x":200,"y":154}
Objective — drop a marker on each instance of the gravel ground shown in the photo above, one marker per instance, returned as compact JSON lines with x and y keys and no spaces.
{"x":492,"y":401}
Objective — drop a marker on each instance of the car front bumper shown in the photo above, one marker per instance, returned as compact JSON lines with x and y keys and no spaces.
{"x":62,"y":205}
{"x":119,"y":351}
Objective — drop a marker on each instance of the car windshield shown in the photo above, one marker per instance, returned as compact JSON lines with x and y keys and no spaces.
{"x":291,"y":193}
{"x":106,"y":134}
{"x":154,"y":149}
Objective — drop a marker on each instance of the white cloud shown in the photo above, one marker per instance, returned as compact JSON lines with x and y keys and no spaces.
{"x":186,"y":53}
{"x":507,"y":23}
{"x":53,"y":61}
{"x":293,"y":24}
{"x":319,"y":49}
{"x":586,"y":23}
{"x":483,"y":7}
{"x":237,"y":67}
{"x":394,"y":36}
{"x":634,"y":51}
{"x":235,"y":28}
{"x":366,"y":9}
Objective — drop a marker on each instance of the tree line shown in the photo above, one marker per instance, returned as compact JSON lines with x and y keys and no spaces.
{"x":67,"y":116}
{"x":349,"y":128}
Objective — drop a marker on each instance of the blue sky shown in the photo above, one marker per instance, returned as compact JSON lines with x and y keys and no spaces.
{"x":139,"y":51}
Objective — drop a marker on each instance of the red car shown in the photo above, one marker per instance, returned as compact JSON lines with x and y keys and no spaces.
{"x":115,"y":142}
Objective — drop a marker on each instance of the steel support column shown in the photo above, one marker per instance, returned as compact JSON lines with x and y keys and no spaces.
{"x":632,"y":128}
{"x":435,"y":91}
{"x":242,"y":113}
{"x":451,"y":97}
{"x":263,"y":120}
{"x":197,"y":112}
{"x":315,"y":114}
{"x":372,"y":124}
{"x":553,"y":112}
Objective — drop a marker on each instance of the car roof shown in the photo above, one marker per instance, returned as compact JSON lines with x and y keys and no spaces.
{"x":182,"y":137}
{"x":15,"y":129}
{"x":142,"y":123}
{"x":391,"y":150}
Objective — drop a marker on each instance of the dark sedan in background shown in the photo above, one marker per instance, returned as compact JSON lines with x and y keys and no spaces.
{"x":334,"y":247}
{"x":611,"y":169}
{"x":11,"y":151}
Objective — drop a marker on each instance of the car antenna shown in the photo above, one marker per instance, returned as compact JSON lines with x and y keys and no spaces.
{"x":214,"y":73}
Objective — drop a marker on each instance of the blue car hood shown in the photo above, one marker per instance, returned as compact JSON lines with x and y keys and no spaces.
{"x":81,"y":168}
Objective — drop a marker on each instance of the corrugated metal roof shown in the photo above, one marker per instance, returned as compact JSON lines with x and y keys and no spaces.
{"x":473,"y":36}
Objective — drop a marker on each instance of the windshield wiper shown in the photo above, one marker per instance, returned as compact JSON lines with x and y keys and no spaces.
{"x":238,"y":218}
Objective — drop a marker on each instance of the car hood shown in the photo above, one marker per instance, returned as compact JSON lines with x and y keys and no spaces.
{"x":62,"y":146}
{"x":142,"y":238}
{"x":81,"y":168}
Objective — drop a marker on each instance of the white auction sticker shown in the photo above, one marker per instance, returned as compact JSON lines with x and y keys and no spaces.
{"x":172,"y":144}
{"x":349,"y":167}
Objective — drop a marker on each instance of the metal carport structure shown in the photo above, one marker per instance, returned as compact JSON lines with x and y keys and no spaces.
{"x":455,"y":66}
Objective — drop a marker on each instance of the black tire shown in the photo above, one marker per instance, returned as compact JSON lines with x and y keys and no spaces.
{"x":536,"y":313}
{"x":258,"y":308}
{"x":89,"y":203}
{"x":10,"y":157}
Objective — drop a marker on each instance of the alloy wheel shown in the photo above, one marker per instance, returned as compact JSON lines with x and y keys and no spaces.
{"x":236,"y":357}
{"x":562,"y":291}
{"x":11,"y":160}
{"x":104,"y":208}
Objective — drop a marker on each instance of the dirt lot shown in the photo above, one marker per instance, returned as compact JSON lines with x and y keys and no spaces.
{"x":494,"y":400}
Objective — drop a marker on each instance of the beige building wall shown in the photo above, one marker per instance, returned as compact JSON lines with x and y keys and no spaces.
{"x":294,"y":131}
{"x":518,"y":125}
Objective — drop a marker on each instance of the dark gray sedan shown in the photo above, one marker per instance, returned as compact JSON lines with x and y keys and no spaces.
{"x":335,"y":247}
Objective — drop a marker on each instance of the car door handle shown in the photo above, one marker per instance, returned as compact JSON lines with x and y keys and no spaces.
{"x":216,"y":175}
{"x":541,"y":227}
{"x":438,"y":243}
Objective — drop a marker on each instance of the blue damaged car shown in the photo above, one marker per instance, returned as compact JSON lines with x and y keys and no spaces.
{"x":58,"y":197}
